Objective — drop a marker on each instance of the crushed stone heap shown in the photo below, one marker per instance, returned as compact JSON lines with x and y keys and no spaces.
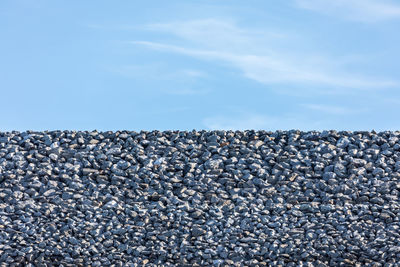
{"x":199,"y":198}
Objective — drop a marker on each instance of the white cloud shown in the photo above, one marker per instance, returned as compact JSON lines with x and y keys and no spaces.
{"x":274,"y":67}
{"x":390,"y":101}
{"x":265,"y":56}
{"x":183,"y":78}
{"x":169,"y":109}
{"x":359,"y":10}
{"x":225,"y":123}
{"x":187,"y":91}
{"x":215,"y":34}
{"x":260,"y":122}
{"x":156,"y":70}
{"x":192,"y":73}
{"x":330,"y":109}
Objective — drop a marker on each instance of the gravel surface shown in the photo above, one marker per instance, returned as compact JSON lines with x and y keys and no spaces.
{"x":199,"y":198}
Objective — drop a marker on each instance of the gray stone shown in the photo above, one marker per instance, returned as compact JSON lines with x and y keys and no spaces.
{"x":49,"y":192}
{"x":377,"y":200}
{"x":111,"y":204}
{"x":66,"y":195}
{"x":4,"y":139}
{"x":213,"y":164}
{"x":343,"y":142}
{"x":87,"y":171}
{"x":339,"y":170}
{"x":326,"y":208}
{"x":197,"y":231}
{"x":297,"y":213}
{"x":53,"y":157}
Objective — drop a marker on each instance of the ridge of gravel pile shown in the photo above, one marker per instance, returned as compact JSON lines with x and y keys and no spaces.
{"x":199,"y":198}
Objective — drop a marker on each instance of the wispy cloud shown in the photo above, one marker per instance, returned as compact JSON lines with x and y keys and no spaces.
{"x":187,"y":91}
{"x":183,"y":79}
{"x":330,"y":109}
{"x":156,"y":70}
{"x":174,"y":109}
{"x":256,"y":122}
{"x":359,"y":10}
{"x":274,"y":67}
{"x":259,"y":55}
{"x":390,"y":101}
{"x":193,"y":73}
{"x":217,"y":33}
{"x":260,"y":122}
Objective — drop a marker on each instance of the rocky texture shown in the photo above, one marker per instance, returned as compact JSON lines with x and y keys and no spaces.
{"x":221,"y":198}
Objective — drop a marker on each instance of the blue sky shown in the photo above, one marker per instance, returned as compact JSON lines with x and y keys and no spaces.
{"x":206,"y":64}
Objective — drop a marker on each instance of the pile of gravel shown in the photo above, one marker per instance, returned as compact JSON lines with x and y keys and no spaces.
{"x":199,"y":198}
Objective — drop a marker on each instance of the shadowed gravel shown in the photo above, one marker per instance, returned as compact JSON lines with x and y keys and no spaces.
{"x":199,"y":198}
